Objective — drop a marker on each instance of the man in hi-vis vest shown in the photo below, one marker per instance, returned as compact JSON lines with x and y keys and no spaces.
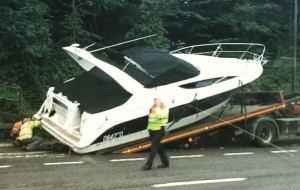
{"x":26,"y":136}
{"x":157,"y":121}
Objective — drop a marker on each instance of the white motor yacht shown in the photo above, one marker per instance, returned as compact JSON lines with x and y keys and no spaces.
{"x":107,"y":106}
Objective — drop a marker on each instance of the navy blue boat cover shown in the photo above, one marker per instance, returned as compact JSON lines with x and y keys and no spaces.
{"x":96,"y":91}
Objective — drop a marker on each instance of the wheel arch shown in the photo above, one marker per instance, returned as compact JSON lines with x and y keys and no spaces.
{"x":257,"y":121}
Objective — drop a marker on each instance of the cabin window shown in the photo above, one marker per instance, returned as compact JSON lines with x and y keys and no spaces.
{"x":60,"y":103}
{"x":207,"y":82}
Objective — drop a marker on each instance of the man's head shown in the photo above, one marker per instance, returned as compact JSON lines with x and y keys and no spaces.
{"x":25,"y":120}
{"x":157,"y":102}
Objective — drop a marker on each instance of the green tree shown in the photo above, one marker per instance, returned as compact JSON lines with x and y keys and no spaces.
{"x":25,"y":37}
{"x":33,"y":32}
{"x":148,"y":20}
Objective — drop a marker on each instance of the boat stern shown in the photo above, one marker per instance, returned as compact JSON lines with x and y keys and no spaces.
{"x":61,"y":118}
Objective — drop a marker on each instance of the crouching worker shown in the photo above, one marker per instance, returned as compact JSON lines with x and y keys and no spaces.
{"x":14,"y":133}
{"x":157,"y":121}
{"x":27,"y":136}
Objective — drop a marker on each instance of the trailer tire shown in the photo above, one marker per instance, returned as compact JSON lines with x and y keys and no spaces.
{"x":265,"y":134}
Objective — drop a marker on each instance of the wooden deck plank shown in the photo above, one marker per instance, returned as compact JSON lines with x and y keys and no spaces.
{"x":60,"y":130}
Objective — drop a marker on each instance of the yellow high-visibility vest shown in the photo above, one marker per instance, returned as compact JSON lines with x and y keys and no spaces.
{"x":27,"y":129}
{"x":158,"y":118}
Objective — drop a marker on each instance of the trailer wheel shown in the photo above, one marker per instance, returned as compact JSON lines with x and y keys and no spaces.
{"x":265,"y":134}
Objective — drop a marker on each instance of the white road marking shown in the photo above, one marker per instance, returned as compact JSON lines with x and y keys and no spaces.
{"x":186,"y":156}
{"x":6,"y":144}
{"x":283,"y":151}
{"x":141,"y":159}
{"x":238,"y":154}
{"x":21,"y":153}
{"x":31,"y":155}
{"x":62,"y":163}
{"x":5,"y":166}
{"x":199,"y":182}
{"x":128,"y":159}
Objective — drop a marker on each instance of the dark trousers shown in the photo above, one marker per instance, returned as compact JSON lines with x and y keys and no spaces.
{"x":157,"y":147}
{"x":32,"y":142}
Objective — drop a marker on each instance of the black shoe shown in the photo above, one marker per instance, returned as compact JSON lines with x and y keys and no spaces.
{"x":163,"y":166}
{"x":146,"y":167}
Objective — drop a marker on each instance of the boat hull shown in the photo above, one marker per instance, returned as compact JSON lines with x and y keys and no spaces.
{"x":134,"y":131}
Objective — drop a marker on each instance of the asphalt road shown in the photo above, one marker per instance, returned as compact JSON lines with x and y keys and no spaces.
{"x":236,"y":166}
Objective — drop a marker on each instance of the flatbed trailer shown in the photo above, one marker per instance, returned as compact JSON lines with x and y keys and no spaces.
{"x":257,"y":116}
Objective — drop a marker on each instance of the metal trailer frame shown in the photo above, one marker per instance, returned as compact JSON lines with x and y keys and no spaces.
{"x":244,"y":107}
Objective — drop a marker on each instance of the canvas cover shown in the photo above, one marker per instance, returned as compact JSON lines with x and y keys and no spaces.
{"x":164,"y":67}
{"x":96,"y":91}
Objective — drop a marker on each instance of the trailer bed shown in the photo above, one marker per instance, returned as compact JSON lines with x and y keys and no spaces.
{"x":253,"y":104}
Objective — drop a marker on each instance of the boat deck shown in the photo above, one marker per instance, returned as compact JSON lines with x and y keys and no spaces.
{"x":55,"y":127}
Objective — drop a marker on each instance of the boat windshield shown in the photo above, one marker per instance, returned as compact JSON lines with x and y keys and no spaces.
{"x":152,"y":67}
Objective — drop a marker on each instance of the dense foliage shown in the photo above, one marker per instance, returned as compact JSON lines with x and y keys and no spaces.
{"x":32,"y":33}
